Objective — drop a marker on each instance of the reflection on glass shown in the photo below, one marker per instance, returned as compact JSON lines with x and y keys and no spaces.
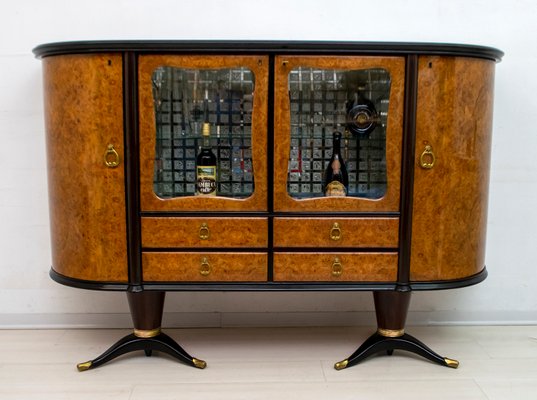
{"x":354,"y":102}
{"x":184,"y":100}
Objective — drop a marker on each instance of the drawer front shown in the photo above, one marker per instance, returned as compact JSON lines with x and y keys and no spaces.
{"x":204,"y":232}
{"x":335,"y":267}
{"x":204,"y":267}
{"x":336,"y":232}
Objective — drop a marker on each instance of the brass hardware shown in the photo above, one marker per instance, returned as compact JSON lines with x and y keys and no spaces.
{"x":337,"y":268}
{"x":147,"y":333}
{"x":199,"y":363}
{"x":285,"y":62}
{"x":393,"y":333}
{"x":451,"y":363}
{"x":84,"y":366}
{"x":204,"y":231}
{"x":341,"y":365}
{"x":205,"y":268}
{"x":427,"y":158}
{"x":111,"y":157}
{"x":335,"y":232}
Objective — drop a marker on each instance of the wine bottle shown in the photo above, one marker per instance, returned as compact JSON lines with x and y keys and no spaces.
{"x":336,"y":178}
{"x":206,"y":161}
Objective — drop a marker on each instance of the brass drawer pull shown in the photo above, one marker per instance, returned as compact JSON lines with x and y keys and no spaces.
{"x":427,"y":158}
{"x":204,"y":231}
{"x":205,"y":267}
{"x":335,"y":232}
{"x":111,"y":157}
{"x":337,"y":268}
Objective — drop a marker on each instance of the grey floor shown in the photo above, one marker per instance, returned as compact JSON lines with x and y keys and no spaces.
{"x":496,"y":362}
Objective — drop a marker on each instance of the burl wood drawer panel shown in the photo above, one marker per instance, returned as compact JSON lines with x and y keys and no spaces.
{"x":204,"y":267}
{"x":336,"y":232}
{"x":450,"y":199}
{"x":182,"y":232}
{"x":83,"y":116}
{"x":335,"y":267}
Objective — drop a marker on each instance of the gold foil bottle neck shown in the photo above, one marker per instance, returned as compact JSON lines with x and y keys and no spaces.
{"x":206,"y":130}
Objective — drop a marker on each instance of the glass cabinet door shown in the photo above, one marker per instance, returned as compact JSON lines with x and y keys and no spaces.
{"x":322,"y":103}
{"x":199,"y":108}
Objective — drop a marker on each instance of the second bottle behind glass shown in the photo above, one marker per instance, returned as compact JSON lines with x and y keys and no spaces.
{"x":336,"y":178}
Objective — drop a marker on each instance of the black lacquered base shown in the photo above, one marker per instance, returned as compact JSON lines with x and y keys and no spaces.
{"x":377,"y":343}
{"x":130,"y":343}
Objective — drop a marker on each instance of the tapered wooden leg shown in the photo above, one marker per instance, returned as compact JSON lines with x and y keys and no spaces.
{"x":146,"y":311}
{"x":391,"y":310}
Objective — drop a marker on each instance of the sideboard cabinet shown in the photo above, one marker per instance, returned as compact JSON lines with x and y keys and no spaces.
{"x":126,"y":121}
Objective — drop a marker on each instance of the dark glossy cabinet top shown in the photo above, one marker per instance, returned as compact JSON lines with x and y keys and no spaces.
{"x":302,"y":47}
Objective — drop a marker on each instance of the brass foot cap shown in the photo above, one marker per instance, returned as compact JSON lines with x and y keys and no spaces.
{"x":84,"y":366}
{"x":199,"y":363}
{"x":341,"y":365}
{"x":451,"y":363}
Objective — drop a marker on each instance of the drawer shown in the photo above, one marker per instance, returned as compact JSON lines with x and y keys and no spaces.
{"x":179,"y":232}
{"x":336,"y":232}
{"x":204,"y":267}
{"x":335,"y":267}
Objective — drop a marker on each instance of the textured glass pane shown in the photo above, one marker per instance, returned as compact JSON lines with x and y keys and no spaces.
{"x":186,"y":98}
{"x":353,"y":102}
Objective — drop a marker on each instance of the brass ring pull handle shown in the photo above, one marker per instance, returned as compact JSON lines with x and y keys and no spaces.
{"x":205,"y":267}
{"x":427,"y":158}
{"x":204,"y":231}
{"x":111,"y":157}
{"x":335,"y":232}
{"x":337,"y":268}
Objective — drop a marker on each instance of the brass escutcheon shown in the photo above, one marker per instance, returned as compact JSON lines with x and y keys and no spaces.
{"x":204,"y":231}
{"x":335,"y":232}
{"x":111,"y":157}
{"x":427,"y":158}
{"x":337,"y":268}
{"x":205,"y":267}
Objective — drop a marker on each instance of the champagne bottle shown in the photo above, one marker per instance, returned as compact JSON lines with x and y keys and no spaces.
{"x":336,"y":179}
{"x":206,"y":161}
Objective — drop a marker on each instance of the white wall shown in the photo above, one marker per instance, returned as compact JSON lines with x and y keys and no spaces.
{"x":29,"y":298}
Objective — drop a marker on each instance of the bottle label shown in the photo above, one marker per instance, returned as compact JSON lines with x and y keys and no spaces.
{"x":335,"y":189}
{"x":206,"y":180}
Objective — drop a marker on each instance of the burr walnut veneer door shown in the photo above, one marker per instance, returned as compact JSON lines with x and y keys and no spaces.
{"x":453,"y":138}
{"x":315,"y":96}
{"x":84,"y":126}
{"x":178,"y":94}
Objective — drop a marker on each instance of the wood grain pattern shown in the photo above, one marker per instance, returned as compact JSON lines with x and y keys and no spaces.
{"x":450,"y":200}
{"x":223,"y":267}
{"x":390,"y":202}
{"x":149,"y":201}
{"x":353,"y":232}
{"x":83,"y":114}
{"x":222,"y":232}
{"x":317,"y":267}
